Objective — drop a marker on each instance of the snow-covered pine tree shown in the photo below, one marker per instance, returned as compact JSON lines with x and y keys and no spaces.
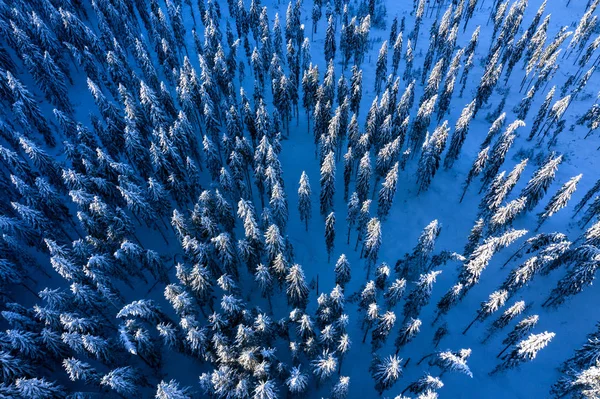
{"x":522,"y":109}
{"x":304,"y":200}
{"x":394,"y":293}
{"x":559,"y":200}
{"x":387,"y":192}
{"x":481,"y":256}
{"x":297,"y":382}
{"x":526,"y":350}
{"x":579,"y":383}
{"x":327,"y":182}
{"x":449,"y":299}
{"x":382,"y":329}
{"x":576,"y":279}
{"x":431,"y":154}
{"x":519,"y":331}
{"x":541,"y":115}
{"x":372,"y":242}
{"x":342,"y":271}
{"x":397,"y":53}
{"x":381,"y":66}
{"x":385,"y":372}
{"x":341,"y":389}
{"x":499,"y":151}
{"x":324,"y":365}
{"x":421,"y":254}
{"x":424,"y":384}
{"x":420,"y":295}
{"x":363,"y":179}
{"x":171,"y":390}
{"x":330,"y":45}
{"x":407,"y":333}
{"x":542,"y":178}
{"x":509,"y":314}
{"x":478,"y":165}
{"x":297,"y":290}
{"x":474,"y":237}
{"x":453,"y":361}
{"x":419,"y":127}
{"x":488,"y":81}
{"x":504,"y":215}
{"x":329,"y":234}
{"x":496,"y":300}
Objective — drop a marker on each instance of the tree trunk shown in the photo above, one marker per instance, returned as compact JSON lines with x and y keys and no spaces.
{"x":425,"y":357}
{"x":504,"y":350}
{"x":473,"y":322}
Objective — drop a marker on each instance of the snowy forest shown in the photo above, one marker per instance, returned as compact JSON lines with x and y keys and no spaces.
{"x":266,"y":199}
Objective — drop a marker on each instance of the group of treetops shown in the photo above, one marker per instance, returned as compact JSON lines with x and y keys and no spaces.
{"x":173,"y":182}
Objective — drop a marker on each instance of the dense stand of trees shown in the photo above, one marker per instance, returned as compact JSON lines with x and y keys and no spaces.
{"x":172,"y":180}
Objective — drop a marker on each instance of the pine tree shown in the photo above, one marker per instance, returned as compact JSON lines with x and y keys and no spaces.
{"x":579,"y":383}
{"x":381,"y":66}
{"x":478,"y":165}
{"x":526,"y":350}
{"x":488,"y":82}
{"x":123,"y":380}
{"x":542,"y":178}
{"x":431,"y":154}
{"x":509,"y":314}
{"x":297,"y":291}
{"x":327,"y":182}
{"x":519,"y":332}
{"x":372,"y":242}
{"x":460,"y":134}
{"x":341,"y":389}
{"x":387,"y":192}
{"x":573,"y":282}
{"x":397,"y":53}
{"x":304,"y":200}
{"x":409,"y":57}
{"x":560,"y":199}
{"x":386,"y":372}
{"x":330,"y":45}
{"x":481,"y":256}
{"x":588,"y":195}
{"x":324,"y":365}
{"x":421,"y":123}
{"x":496,"y":300}
{"x":494,"y":130}
{"x":420,"y":295}
{"x":449,"y":299}
{"x":407,"y":333}
{"x":171,"y":390}
{"x":382,"y":329}
{"x":454,"y":361}
{"x":329,"y":234}
{"x":424,"y":385}
{"x":421,"y":254}
{"x":499,"y":151}
{"x":394,"y":293}
{"x":355,"y":89}
{"x":504,"y":215}
{"x":297,"y":382}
